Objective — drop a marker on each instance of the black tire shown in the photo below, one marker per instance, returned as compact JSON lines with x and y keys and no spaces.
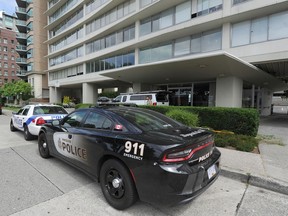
{"x":27,"y":135}
{"x":43,"y":146}
{"x":117,"y":185}
{"x":12,"y":128}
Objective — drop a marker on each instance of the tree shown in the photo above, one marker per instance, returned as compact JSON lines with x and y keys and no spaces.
{"x":16,"y":89}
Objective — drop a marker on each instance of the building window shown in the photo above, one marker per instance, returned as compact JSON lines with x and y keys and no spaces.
{"x":111,"y":16}
{"x":30,"y":53}
{"x":238,"y":1}
{"x":94,"y":5}
{"x":144,"y":3}
{"x":204,"y":42}
{"x":12,"y":73}
{"x":262,"y":29}
{"x":12,"y":58}
{"x":5,"y":41}
{"x":68,"y":56}
{"x":112,"y":62}
{"x":5,"y":57}
{"x":154,"y":54}
{"x":113,"y":39}
{"x":5,"y":49}
{"x":5,"y":65}
{"x":5,"y":73}
{"x":208,"y":6}
{"x":30,"y":40}
{"x":183,"y":12}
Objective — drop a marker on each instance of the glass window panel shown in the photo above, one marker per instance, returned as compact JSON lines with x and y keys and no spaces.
{"x":145,"y":27}
{"x":259,"y":30}
{"x":120,"y":11}
{"x":166,"y":19}
{"x":183,"y":12}
{"x":278,"y":26}
{"x":145,"y":56}
{"x":196,"y":44}
{"x":119,"y":37}
{"x":241,"y":33}
{"x":211,"y":40}
{"x":161,"y":53}
{"x":143,"y":3}
{"x":182,"y":46}
{"x":155,"y":23}
{"x":119,"y":61}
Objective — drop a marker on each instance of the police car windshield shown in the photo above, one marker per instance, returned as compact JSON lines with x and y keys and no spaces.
{"x":147,"y":120}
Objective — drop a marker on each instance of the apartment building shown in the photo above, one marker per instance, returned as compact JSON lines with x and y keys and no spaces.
{"x":230,"y":53}
{"x":31,"y":48}
{"x":8,"y":46}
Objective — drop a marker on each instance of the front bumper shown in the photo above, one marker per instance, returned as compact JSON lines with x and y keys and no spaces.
{"x":174,"y":184}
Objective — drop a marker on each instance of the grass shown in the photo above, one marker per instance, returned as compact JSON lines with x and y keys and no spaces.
{"x":270,"y":139}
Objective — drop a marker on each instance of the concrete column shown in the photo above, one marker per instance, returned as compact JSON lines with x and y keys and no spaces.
{"x":266,"y":96}
{"x":229,"y":92}
{"x":89,"y":93}
{"x":226,"y":32}
{"x":212,"y":94}
{"x":252,"y":96}
{"x":54,"y":95}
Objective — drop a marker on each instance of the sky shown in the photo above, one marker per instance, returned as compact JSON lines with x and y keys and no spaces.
{"x":8,"y":6}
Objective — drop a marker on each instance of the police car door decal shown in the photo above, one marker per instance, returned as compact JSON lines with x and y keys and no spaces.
{"x":70,"y":146}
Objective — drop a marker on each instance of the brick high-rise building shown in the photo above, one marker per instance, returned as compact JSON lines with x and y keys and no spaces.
{"x":8,"y":46}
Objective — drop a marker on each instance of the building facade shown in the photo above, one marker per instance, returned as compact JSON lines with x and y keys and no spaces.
{"x":31,"y":48}
{"x":8,"y":46}
{"x":206,"y":52}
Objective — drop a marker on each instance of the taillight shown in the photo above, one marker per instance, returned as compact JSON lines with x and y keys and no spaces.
{"x":40,"y":121}
{"x":182,"y":154}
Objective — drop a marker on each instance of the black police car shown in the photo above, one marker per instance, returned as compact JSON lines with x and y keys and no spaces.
{"x":134,"y":153}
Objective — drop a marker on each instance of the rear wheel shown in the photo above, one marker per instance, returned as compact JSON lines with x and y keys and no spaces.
{"x":12,"y":128}
{"x":27,"y":134}
{"x":117,"y":185}
{"x":43,"y":146}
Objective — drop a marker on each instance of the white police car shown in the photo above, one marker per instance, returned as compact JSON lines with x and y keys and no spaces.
{"x":30,"y":118}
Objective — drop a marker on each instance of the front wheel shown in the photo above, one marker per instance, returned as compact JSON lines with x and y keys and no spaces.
{"x":43,"y":146}
{"x":27,"y":134}
{"x":117,"y":185}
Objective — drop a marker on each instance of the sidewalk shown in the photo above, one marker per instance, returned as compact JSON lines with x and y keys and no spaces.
{"x":269,"y":169}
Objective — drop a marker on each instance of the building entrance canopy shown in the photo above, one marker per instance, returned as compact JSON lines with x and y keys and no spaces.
{"x":202,"y":67}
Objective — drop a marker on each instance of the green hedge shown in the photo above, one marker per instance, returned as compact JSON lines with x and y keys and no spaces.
{"x":81,"y":105}
{"x":185,"y":117}
{"x":238,"y":120}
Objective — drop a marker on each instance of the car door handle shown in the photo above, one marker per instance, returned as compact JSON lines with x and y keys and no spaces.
{"x":70,"y":136}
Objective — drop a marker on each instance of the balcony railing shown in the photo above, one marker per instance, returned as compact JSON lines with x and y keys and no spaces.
{"x":21,"y":60}
{"x":21,"y":35}
{"x":21,"y":73}
{"x":21,"y":47}
{"x":21,"y":22}
{"x":20,"y":9}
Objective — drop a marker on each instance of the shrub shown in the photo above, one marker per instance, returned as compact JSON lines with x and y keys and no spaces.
{"x":238,"y":120}
{"x":186,"y":118}
{"x":239,"y":142}
{"x":79,"y":106}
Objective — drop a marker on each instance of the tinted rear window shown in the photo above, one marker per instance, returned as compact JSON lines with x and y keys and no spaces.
{"x":48,"y":110}
{"x":162,"y":97}
{"x":147,"y":120}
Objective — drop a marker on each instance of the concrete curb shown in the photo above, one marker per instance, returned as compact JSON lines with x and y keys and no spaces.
{"x":255,"y":180}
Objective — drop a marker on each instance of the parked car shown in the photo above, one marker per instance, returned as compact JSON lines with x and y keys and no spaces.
{"x":144,"y":98}
{"x":134,"y":152}
{"x":30,"y":118}
{"x":104,"y":99}
{"x":0,"y":109}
